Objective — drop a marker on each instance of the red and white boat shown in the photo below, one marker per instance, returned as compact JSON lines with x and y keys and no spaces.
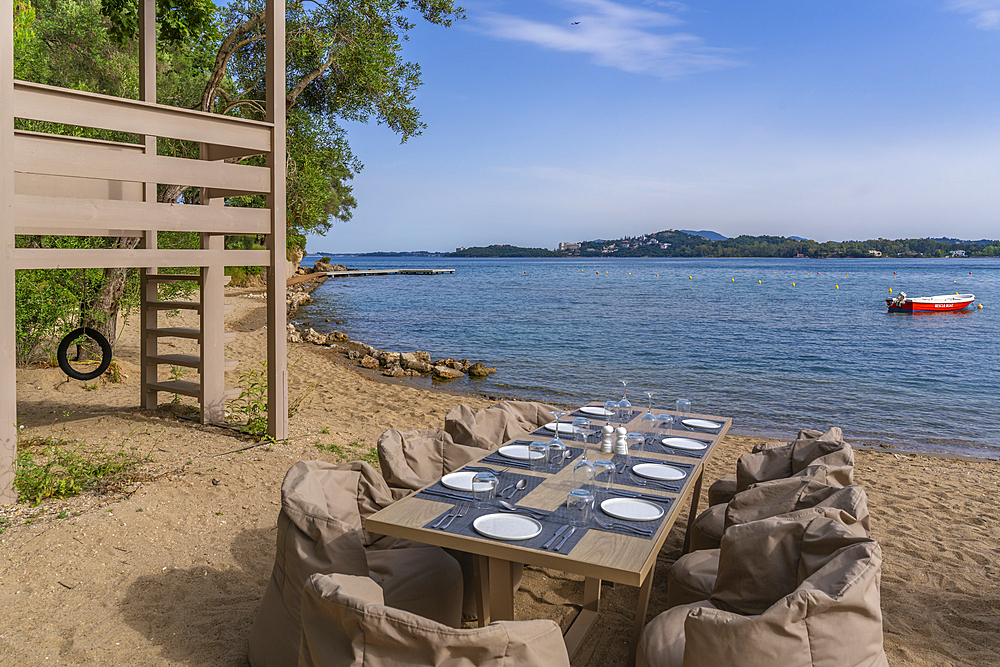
{"x":929,"y":304}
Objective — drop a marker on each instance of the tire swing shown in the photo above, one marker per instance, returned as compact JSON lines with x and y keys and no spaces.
{"x":99,"y":339}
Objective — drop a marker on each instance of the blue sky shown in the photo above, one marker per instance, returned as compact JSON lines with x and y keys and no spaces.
{"x":829,"y":120}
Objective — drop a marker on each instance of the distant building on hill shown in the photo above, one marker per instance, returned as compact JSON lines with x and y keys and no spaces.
{"x":569,"y":247}
{"x":875,"y":253}
{"x":958,"y":253}
{"x":461,"y":249}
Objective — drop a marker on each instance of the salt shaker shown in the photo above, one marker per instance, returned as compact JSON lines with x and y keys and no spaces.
{"x":621,"y":440}
{"x":607,"y":443}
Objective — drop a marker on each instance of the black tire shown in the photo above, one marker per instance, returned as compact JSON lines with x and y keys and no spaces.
{"x":105,"y":354}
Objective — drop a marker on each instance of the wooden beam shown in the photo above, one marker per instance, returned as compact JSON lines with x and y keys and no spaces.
{"x":35,"y":155}
{"x":73,"y":107}
{"x":277,"y":343}
{"x":148,"y":289}
{"x":95,"y":217}
{"x":70,"y":258}
{"x":8,"y":334}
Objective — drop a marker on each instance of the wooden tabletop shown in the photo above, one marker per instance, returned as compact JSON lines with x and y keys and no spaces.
{"x":599,"y":554}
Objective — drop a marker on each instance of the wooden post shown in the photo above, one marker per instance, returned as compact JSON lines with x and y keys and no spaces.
{"x":148,"y":291}
{"x":277,"y":341}
{"x":213,"y":347}
{"x":8,"y":332}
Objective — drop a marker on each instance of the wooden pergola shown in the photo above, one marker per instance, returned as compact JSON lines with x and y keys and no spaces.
{"x":59,"y":185}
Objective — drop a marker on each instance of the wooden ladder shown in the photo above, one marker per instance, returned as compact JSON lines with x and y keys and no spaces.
{"x":210,"y":362}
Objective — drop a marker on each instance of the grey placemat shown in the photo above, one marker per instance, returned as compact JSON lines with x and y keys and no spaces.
{"x":442,"y":493}
{"x":601,"y":496}
{"x":550,"y":525}
{"x":625,"y":478}
{"x":678,"y":426}
{"x":656,"y":444}
{"x":497,"y":459}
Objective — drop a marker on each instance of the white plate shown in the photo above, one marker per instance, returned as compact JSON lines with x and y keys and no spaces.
{"x":505,"y":526}
{"x":685,"y":443}
{"x":700,"y":423}
{"x":519,"y":452}
{"x":596,"y":411}
{"x":631,"y":509}
{"x":460,"y":481}
{"x":563,"y":428}
{"x":658,"y":471}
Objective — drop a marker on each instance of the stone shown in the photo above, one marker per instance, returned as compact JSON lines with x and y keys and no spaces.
{"x":369,"y":362}
{"x":419,"y":367}
{"x":395,"y":371}
{"x":480,"y":370}
{"x":445,"y":373}
{"x":423,"y":356}
{"x":463,"y":365}
{"x":314,"y":337}
{"x":335,"y":337}
{"x":390,"y":359}
{"x":290,"y":327}
{"x":412,"y":373}
{"x":407,"y":358}
{"x":294,"y":337}
{"x":353,"y":355}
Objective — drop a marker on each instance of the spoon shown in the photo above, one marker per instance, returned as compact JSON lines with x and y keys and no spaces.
{"x":521,"y":483}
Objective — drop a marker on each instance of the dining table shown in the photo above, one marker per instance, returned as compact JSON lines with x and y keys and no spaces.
{"x":625,"y":553}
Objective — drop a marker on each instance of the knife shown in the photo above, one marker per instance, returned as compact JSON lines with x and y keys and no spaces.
{"x":643,"y":496}
{"x":555,"y":537}
{"x":564,"y":538}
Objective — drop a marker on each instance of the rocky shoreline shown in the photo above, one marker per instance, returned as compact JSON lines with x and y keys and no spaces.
{"x":391,"y":364}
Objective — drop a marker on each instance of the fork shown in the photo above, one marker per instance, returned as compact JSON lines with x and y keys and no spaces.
{"x":608,"y":526}
{"x":462,"y":511}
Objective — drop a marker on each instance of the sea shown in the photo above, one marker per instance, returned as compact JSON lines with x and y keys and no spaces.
{"x":776,"y":344}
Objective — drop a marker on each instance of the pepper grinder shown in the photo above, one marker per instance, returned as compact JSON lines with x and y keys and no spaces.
{"x":621,"y":441}
{"x":607,"y":443}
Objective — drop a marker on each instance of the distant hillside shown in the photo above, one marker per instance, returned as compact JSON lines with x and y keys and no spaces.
{"x":504,"y":251}
{"x":705,"y":234}
{"x":945,"y":239}
{"x":796,"y":238}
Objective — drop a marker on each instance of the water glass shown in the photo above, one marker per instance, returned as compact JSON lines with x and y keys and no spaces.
{"x":604,"y":473}
{"x":538,"y":454}
{"x":666,"y":424}
{"x":610,"y":410}
{"x":683,"y":407}
{"x":556,"y":453}
{"x":484,"y":488}
{"x":648,"y":425}
{"x":583,"y":473}
{"x":582,"y":426}
{"x":580,"y":503}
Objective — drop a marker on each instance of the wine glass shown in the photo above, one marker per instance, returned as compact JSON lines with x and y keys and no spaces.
{"x":556,"y":451}
{"x":581,"y":425}
{"x":624,"y":405}
{"x":558,"y":415}
{"x":611,"y":410}
{"x":583,"y":473}
{"x":649,"y":422}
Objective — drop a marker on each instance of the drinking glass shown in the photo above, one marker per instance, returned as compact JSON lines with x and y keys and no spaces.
{"x":484,"y":488}
{"x":604,"y":472}
{"x":582,"y":426}
{"x":611,"y":408}
{"x":666,"y":424}
{"x":558,"y":415}
{"x":538,"y":454}
{"x":580,"y":503}
{"x":635,"y":449}
{"x":556,"y":451}
{"x":624,"y":405}
{"x":583,"y":473}
{"x":683,"y":407}
{"x":649,"y":419}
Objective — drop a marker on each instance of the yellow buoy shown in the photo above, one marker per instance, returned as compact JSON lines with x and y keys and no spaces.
{"x":979,"y":306}
{"x":758,"y":282}
{"x":690,"y":277}
{"x":630,"y":273}
{"x":793,"y":284}
{"x":890,"y":290}
{"x":734,"y":280}
{"x":836,"y":287}
{"x":956,"y":293}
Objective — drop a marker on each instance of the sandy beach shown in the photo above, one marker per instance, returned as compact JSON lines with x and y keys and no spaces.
{"x":170,"y":571}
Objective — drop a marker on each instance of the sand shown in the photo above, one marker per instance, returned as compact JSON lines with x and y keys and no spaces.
{"x":170,"y":571}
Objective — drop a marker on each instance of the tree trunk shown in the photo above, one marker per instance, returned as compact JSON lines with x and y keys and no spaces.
{"x":100,"y":311}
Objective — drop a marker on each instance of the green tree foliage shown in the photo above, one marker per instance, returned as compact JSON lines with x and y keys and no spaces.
{"x":504,"y":251}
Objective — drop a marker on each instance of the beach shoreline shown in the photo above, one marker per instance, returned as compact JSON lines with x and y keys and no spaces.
{"x":171,"y":571}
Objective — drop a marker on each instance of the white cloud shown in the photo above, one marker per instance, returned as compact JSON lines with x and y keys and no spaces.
{"x":633,"y":39}
{"x":985,"y":13}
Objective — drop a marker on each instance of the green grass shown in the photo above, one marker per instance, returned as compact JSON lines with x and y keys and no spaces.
{"x":332,"y":448}
{"x":56,"y":468}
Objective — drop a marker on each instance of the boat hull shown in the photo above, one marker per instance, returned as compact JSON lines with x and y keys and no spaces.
{"x":931,"y":304}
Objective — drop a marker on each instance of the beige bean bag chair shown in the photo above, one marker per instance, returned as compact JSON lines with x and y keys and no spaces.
{"x":794,"y":592}
{"x":346,"y":623}
{"x":692,"y":577}
{"x":826,"y":458}
{"x":321,"y":530}
{"x":723,"y":489}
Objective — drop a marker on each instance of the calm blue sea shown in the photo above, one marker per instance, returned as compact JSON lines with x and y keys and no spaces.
{"x":778,"y":344}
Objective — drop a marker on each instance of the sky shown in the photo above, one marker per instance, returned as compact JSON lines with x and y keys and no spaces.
{"x":570,"y":120}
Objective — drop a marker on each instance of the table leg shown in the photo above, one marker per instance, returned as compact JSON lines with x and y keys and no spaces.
{"x":501,"y":589}
{"x":695,"y":496}
{"x":481,"y":568}
{"x":586,"y":618}
{"x":641,"y":606}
